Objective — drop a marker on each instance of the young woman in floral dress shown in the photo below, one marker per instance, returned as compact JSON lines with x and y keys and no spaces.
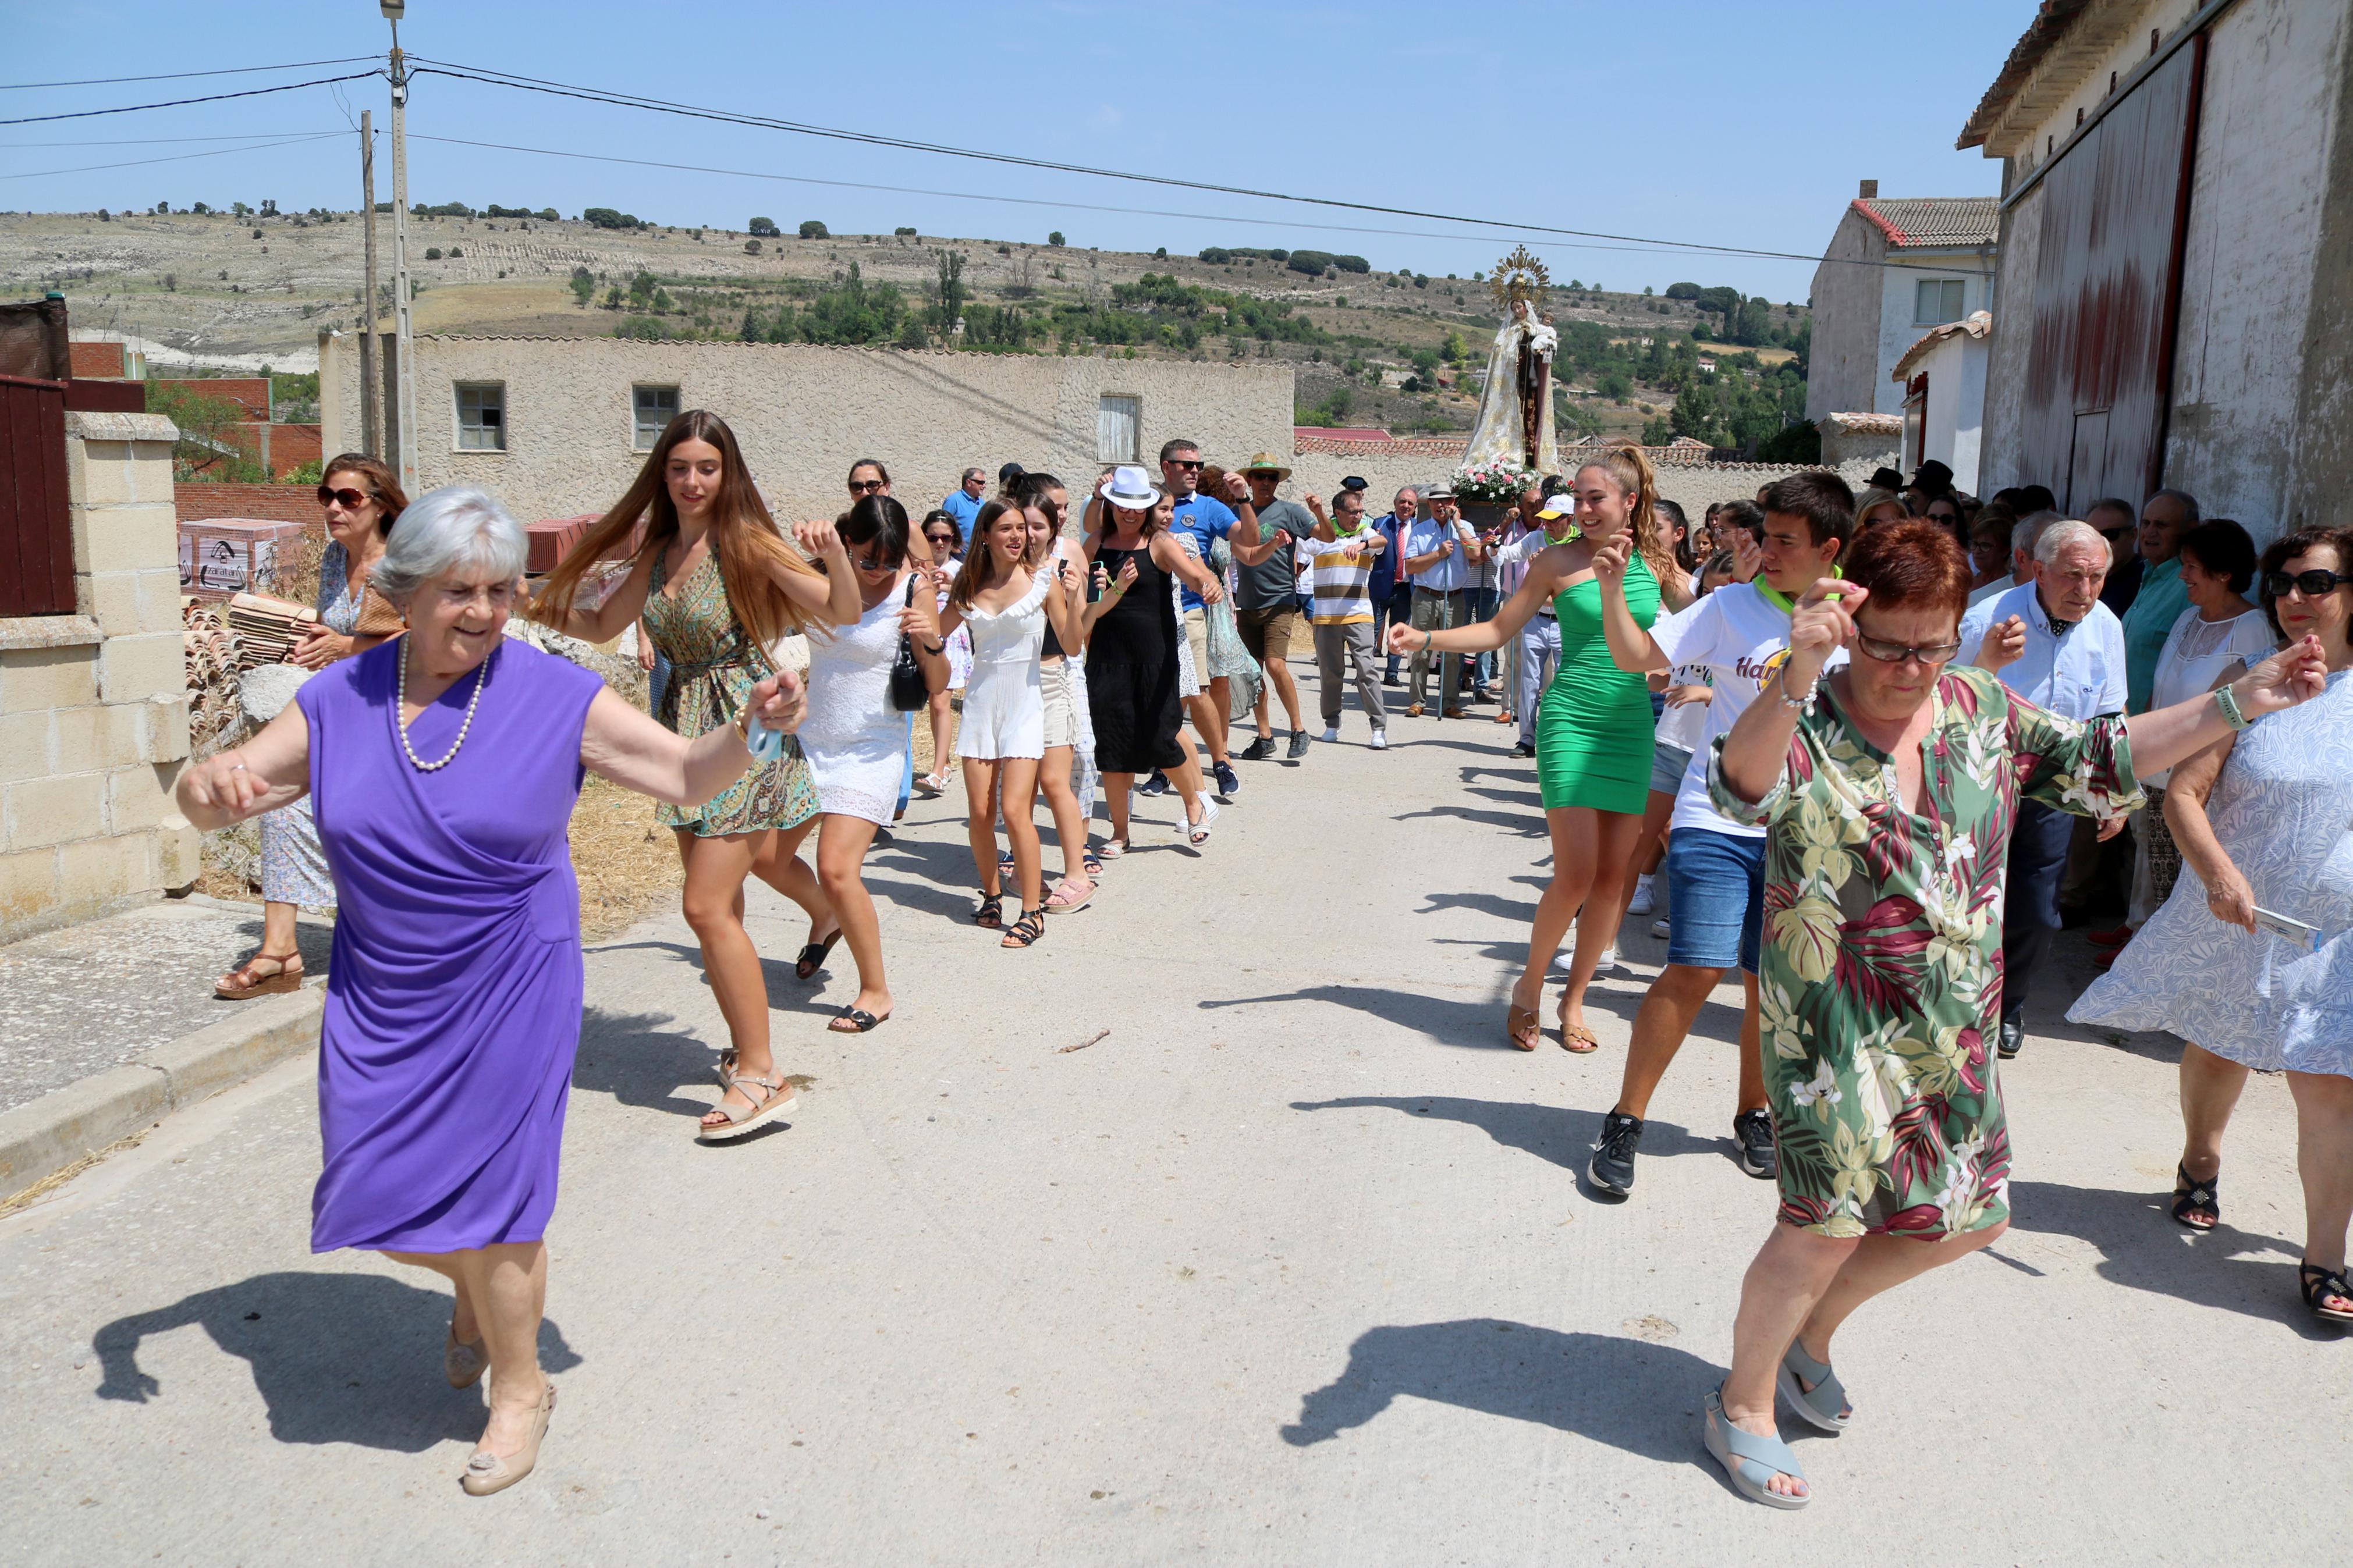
{"x":717,"y":586}
{"x":1888,"y":790}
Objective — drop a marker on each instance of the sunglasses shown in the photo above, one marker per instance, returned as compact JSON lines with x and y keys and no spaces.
{"x":866,"y":486}
{"x":872,"y":564}
{"x":350,"y":500}
{"x":1182,"y":463}
{"x":2313,"y":584}
{"x":1896,"y":652}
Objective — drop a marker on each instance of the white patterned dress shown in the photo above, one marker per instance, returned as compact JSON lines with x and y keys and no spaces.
{"x":293,"y":866}
{"x":2283,"y":810}
{"x":856,"y":742}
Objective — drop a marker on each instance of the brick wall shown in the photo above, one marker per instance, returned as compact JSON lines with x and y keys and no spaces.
{"x":98,"y":361}
{"x":248,"y":393}
{"x":276,"y":503}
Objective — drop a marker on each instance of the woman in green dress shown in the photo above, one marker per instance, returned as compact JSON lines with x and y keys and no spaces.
{"x":717,"y":586}
{"x":1888,"y":790}
{"x":1594,"y":736}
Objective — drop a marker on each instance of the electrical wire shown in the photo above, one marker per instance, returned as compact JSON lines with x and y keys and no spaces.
{"x":179,"y":102}
{"x":168,"y":141}
{"x":181,"y":75}
{"x":627,"y":100}
{"x":178,"y":158}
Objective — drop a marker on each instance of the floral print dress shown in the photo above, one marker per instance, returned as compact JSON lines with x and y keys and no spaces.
{"x":714,"y":664}
{"x":1882,"y":979}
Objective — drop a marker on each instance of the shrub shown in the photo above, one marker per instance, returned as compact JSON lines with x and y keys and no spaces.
{"x":1311,"y":262}
{"x":812,"y":229}
{"x":765,"y":228}
{"x":641,"y":327}
{"x":447,"y":209}
{"x":549,"y":213}
{"x":456,"y":254}
{"x":1216,"y":256}
{"x":1683,"y":291}
{"x":1055,"y":237}
{"x":584,"y":285}
{"x":432,"y":253}
{"x":905,"y":231}
{"x":606,"y":218}
{"x":751,"y":247}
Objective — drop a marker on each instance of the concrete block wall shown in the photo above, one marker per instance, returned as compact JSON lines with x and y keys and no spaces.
{"x":93,"y":706}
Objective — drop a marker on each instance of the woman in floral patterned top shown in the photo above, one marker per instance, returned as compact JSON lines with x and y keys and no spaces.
{"x":1888,"y":798}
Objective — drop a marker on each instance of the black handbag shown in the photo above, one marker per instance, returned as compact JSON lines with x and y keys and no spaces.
{"x":909,"y":688}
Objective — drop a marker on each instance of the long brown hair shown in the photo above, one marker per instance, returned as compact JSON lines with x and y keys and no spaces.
{"x":978,"y":565}
{"x":744,"y":536}
{"x":383,"y":484}
{"x":1632,"y":474}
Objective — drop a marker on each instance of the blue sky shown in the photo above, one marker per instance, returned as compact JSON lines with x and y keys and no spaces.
{"x":1726,"y":122}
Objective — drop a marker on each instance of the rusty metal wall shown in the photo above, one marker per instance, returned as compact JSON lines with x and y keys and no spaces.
{"x":36,"y":525}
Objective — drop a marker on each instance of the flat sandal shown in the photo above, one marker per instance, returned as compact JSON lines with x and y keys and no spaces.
{"x":1522,"y":1028}
{"x":247,"y":981}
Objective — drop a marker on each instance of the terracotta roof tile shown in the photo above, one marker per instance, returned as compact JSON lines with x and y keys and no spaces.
{"x":1933,"y":220}
{"x":1976,"y":324}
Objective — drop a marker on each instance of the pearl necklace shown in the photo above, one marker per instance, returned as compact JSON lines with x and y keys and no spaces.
{"x":481,"y":678}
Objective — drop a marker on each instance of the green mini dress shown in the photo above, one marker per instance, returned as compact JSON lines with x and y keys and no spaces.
{"x":1595,"y":728}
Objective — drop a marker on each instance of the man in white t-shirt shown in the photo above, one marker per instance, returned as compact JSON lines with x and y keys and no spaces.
{"x":1715,"y":867}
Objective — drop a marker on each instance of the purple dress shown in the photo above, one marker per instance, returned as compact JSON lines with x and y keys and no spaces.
{"x":454,"y":995}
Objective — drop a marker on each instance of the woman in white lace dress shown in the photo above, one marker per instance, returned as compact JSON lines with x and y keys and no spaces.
{"x":1006,"y":604}
{"x":2265,"y":820}
{"x":855,"y":740}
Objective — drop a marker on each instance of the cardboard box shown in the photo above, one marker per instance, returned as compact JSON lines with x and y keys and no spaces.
{"x":220,"y":556}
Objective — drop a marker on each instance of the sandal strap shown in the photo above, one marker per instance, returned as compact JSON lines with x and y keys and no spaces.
{"x":735,"y":1081}
{"x":1746,"y":1444}
{"x":2319,"y":1282}
{"x":1820,"y":1384}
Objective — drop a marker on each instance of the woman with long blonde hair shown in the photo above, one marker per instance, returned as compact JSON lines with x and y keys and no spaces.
{"x":1594,"y":733}
{"x":717,"y":584}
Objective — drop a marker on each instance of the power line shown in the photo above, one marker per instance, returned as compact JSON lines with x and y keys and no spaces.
{"x":180,"y":76}
{"x":765,"y":123}
{"x":166,"y":140}
{"x":176,"y":158}
{"x":178,"y":102}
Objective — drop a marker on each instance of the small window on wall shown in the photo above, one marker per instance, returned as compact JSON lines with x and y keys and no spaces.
{"x":655,"y":407}
{"x":481,"y":417}
{"x":1119,"y":424}
{"x":1936,"y":301}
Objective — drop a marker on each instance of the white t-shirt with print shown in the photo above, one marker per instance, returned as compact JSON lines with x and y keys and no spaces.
{"x":1733,"y":632}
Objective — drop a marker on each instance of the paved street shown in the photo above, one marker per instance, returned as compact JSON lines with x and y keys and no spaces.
{"x":1293,"y":1265}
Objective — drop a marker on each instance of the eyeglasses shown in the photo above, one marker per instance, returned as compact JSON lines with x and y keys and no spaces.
{"x":2313,"y":584}
{"x":350,"y":500}
{"x":1183,"y":463}
{"x":1896,"y":652}
{"x":866,"y":486}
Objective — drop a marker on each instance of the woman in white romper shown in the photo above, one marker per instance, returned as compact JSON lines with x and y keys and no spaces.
{"x":1006,"y":606}
{"x":855,"y":740}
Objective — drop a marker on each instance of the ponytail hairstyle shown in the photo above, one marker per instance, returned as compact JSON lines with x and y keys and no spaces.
{"x":1631,"y":471}
{"x":743,"y":538}
{"x":980,"y":566}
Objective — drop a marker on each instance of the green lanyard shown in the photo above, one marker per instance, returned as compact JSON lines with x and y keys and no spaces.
{"x":1780,"y":601}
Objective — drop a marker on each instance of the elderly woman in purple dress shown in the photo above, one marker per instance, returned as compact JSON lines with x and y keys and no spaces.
{"x":442,"y":768}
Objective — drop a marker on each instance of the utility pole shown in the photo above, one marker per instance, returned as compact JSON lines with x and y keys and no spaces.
{"x":371,"y":372}
{"x":404,"y":400}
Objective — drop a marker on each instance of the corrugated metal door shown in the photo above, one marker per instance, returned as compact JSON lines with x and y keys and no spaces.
{"x":36,"y":528}
{"x":2105,"y":286}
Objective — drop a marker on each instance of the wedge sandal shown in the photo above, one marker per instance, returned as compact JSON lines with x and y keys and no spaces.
{"x":1813,"y":1390}
{"x":249,"y":980}
{"x":1749,"y":1462}
{"x":463,"y":1361}
{"x":487,"y":1472}
{"x":778,"y":1098}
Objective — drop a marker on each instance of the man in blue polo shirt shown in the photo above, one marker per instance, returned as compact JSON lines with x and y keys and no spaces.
{"x":964,"y":503}
{"x":1205,"y":520}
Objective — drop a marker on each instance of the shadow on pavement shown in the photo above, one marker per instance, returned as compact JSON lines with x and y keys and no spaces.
{"x":1554,"y":1134}
{"x":629,"y":1056}
{"x":1629,"y":1393}
{"x":2227,"y":1268}
{"x":1476,"y":1026}
{"x":1520,"y":822}
{"x":338,"y":1358}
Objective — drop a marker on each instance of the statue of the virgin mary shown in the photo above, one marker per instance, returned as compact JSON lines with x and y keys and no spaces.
{"x":1514,"y":422}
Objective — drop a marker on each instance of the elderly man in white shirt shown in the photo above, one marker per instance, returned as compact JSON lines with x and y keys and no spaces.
{"x":2054,"y":644}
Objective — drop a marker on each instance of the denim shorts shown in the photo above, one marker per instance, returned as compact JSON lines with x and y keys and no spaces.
{"x":1716,"y":898}
{"x":1668,"y":761}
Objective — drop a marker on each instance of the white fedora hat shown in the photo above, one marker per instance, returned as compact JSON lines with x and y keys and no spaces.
{"x":1131,"y":488}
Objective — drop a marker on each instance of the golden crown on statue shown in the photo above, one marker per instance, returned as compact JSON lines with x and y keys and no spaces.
{"x":1519,"y":276}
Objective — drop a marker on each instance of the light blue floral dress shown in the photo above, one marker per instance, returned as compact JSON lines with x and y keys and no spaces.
{"x":2283,"y":810}
{"x":293,"y":867}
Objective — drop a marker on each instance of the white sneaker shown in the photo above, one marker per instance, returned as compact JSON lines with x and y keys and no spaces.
{"x":1566,"y":959}
{"x":1332,"y":735}
{"x":1380,"y":740}
{"x":1640,"y":904}
{"x":1659,"y":927}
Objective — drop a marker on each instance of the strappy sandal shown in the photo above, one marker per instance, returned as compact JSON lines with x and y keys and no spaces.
{"x":1522,"y":1028}
{"x":1198,"y":832}
{"x":1750,"y":1461}
{"x":463,"y":1361}
{"x":1813,"y":1390}
{"x":1070,"y":895}
{"x":991,"y":913}
{"x":2192,"y":1198}
{"x":1027,"y":929}
{"x":855,"y":1021}
{"x":1112,"y":850}
{"x":780,"y":1098}
{"x":1576,"y":1038}
{"x":1091,"y":864}
{"x":814,"y":955}
{"x":487,"y":1472}
{"x":249,"y":980}
{"x":2318,"y":1285}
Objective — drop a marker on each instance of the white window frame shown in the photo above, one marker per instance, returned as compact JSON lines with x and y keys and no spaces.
{"x":1113,"y":407}
{"x":481,"y":434}
{"x":1955,"y":289}
{"x":640,"y":438}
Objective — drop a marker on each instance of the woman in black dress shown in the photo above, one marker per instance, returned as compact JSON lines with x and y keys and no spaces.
{"x":1132,"y":651}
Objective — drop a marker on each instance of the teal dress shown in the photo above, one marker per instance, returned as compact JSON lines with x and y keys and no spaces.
{"x":1595,"y":729}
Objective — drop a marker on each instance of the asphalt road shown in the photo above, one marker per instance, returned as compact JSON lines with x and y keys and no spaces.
{"x":1292,"y":1266}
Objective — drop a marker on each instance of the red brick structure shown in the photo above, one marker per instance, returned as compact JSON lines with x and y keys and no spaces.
{"x":100,"y":362}
{"x":250,"y":394}
{"x":197,"y":501}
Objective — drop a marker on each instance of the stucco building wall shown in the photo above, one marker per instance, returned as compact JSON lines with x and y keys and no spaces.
{"x":1842,"y":362}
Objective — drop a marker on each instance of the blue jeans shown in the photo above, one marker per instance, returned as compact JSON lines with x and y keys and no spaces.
{"x":1716,"y":898}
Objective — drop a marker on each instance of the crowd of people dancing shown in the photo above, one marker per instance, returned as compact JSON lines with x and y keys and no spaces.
{"x":1837,"y":743}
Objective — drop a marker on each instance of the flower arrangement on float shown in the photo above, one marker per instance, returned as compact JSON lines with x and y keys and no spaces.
{"x":1497,"y":482}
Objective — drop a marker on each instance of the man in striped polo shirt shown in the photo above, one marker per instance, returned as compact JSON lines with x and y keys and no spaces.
{"x":1341,"y":557}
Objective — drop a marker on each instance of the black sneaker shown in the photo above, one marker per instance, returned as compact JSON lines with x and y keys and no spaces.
{"x":1524,"y":749}
{"x":1298,"y":745}
{"x":1612,"y":1168}
{"x":1156,"y":784}
{"x":1258,"y":750}
{"x":1753,"y":1131}
{"x":1228,"y":784}
{"x":2014,"y":1038}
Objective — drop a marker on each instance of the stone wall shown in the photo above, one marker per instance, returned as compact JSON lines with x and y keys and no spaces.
{"x":93,"y":706}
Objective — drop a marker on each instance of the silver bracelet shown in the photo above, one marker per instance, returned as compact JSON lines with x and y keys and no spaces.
{"x":2226,"y":703}
{"x":1804,"y":704}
